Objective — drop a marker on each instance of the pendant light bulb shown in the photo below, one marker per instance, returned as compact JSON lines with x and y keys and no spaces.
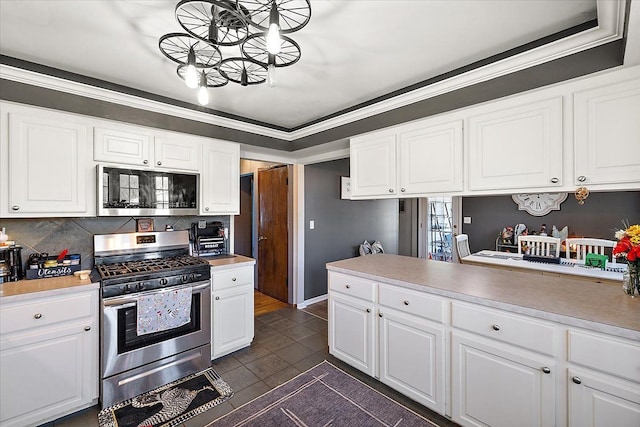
{"x":203,"y":94}
{"x":191,"y":77}
{"x":271,"y":71}
{"x":274,"y":41}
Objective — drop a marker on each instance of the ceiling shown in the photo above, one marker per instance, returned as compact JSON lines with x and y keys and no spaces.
{"x":353,"y":51}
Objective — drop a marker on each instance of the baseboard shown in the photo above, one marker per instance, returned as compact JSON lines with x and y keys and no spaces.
{"x":308,"y":302}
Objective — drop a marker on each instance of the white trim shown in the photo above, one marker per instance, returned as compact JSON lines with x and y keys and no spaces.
{"x":610,"y":28}
{"x":310,"y":301}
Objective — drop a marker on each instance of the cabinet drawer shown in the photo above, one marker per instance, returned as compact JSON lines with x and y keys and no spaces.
{"x":412,"y":302}
{"x":354,"y":286}
{"x":44,"y":312}
{"x":233,"y":277}
{"x":613,"y":356}
{"x":510,"y":328}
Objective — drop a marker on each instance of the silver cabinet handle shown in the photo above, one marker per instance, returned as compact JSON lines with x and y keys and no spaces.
{"x":406,"y":302}
{"x":87,"y":328}
{"x":368,"y":310}
{"x":217,"y":298}
{"x":554,"y":180}
{"x":15,"y":207}
{"x":546,"y":370}
{"x":206,"y":209}
{"x":348,"y":286}
{"x":495,"y":327}
{"x":582,"y":178}
{"x":233,"y":279}
{"x":146,"y":162}
{"x":391,"y":190}
{"x":402,"y":189}
{"x":380,"y":314}
{"x":37,"y":316}
{"x":159,"y":163}
{"x":576,"y":380}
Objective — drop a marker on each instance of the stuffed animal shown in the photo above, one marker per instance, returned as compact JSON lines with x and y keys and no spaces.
{"x":507,"y":236}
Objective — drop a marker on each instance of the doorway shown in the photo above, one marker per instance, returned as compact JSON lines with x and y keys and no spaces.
{"x":243,"y":223}
{"x":439,"y":219}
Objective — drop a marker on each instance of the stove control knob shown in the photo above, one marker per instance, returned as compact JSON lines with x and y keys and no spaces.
{"x":193,"y":277}
{"x":184,"y":278}
{"x":140,"y":286}
{"x":163,"y":282}
{"x":127,"y":288}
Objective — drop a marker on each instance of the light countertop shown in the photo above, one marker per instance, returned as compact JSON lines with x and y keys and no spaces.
{"x":28,"y":289}
{"x":571,"y":301}
{"x":229,"y":261}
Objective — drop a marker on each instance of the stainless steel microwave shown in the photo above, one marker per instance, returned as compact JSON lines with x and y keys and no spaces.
{"x":135,"y":192}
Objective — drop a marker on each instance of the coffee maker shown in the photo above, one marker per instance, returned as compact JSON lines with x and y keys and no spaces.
{"x":11,"y":263}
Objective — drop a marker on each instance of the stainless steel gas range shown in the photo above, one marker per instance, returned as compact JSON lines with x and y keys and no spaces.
{"x":155,"y":312}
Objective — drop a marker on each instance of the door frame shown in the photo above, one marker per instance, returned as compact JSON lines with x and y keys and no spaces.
{"x":423,"y":213}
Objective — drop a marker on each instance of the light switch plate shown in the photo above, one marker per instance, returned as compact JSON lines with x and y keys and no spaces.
{"x":467,"y":220}
{"x":312,"y":225}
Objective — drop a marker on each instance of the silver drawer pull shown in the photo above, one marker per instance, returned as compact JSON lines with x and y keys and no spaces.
{"x":87,"y":328}
{"x":15,"y":207}
{"x":217,"y":298}
{"x":406,"y":302}
{"x":546,"y":370}
{"x":233,"y":279}
{"x":368,"y":310}
{"x":576,"y":380}
{"x":37,"y":316}
{"x":348,"y":286}
{"x":380,"y":314}
{"x":495,"y":327}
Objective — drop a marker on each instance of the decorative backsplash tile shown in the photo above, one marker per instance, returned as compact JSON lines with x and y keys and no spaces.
{"x":52,"y":235}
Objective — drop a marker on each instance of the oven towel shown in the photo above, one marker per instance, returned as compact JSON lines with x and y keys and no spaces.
{"x":160,"y":311}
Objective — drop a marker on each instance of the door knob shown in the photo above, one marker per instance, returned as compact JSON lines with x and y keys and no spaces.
{"x":261,"y":238}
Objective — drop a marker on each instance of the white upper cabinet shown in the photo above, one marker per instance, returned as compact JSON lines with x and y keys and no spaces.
{"x":48,"y":167}
{"x":516,"y":146}
{"x":607,"y":134}
{"x":373,"y":165}
{"x":133,"y":146}
{"x":409,"y":160}
{"x":220,"y":178}
{"x":430,"y":158}
{"x":123,"y":145}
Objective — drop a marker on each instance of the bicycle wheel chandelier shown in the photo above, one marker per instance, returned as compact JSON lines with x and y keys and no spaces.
{"x":254,"y":27}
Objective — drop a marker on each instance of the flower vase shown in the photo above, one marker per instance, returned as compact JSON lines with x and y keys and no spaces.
{"x":631,"y":281}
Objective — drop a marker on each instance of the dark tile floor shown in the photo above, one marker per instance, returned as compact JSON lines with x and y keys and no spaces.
{"x":287,"y":342}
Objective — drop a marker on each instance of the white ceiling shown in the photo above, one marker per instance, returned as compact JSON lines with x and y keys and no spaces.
{"x":352,"y":50}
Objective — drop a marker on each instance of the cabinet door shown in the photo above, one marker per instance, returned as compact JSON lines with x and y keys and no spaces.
{"x":48,"y":168}
{"x":602,"y":401}
{"x":431,"y":159}
{"x":122,"y":146}
{"x":516,"y":147}
{"x":47,"y":375}
{"x":412,"y":357}
{"x":220,"y":179}
{"x":373,"y":165}
{"x":177,"y":152}
{"x":607,"y":134}
{"x":351,"y":332}
{"x":232,"y":317}
{"x":497,"y":385}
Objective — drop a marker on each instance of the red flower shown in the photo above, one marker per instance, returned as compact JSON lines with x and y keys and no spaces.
{"x":633,"y":254}
{"x":623,"y":246}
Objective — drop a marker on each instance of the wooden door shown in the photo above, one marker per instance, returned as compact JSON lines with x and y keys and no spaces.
{"x":273,"y":255}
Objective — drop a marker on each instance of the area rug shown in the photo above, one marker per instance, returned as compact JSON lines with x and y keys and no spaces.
{"x":171,"y":404}
{"x":322,"y":396}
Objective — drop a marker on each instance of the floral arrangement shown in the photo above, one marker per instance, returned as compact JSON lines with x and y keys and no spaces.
{"x":628,"y":249}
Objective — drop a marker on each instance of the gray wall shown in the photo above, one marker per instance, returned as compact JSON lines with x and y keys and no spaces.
{"x":340,"y":225}
{"x":600,"y":215}
{"x":52,"y":235}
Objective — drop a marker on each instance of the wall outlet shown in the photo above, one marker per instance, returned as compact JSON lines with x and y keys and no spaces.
{"x":202,"y":223}
{"x":467,"y":220}
{"x":312,"y":225}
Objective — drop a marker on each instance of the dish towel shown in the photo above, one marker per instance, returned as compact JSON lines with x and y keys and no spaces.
{"x":163,"y":310}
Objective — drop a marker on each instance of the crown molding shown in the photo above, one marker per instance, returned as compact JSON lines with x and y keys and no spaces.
{"x":610,"y":28}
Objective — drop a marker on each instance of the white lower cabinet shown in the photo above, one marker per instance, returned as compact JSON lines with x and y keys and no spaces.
{"x":494,"y":384}
{"x":48,"y":358}
{"x":352,"y":330}
{"x":412,"y":357}
{"x":231,"y":310}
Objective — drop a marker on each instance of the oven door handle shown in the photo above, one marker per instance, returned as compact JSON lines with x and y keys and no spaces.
{"x":130,"y":301}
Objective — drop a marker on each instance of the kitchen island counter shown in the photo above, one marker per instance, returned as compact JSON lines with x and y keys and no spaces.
{"x":595,"y":306}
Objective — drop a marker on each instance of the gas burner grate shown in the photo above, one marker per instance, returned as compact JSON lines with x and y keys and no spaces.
{"x":147,"y":265}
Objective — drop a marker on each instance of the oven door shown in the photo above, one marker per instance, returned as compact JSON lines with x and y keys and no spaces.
{"x":121,"y":347}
